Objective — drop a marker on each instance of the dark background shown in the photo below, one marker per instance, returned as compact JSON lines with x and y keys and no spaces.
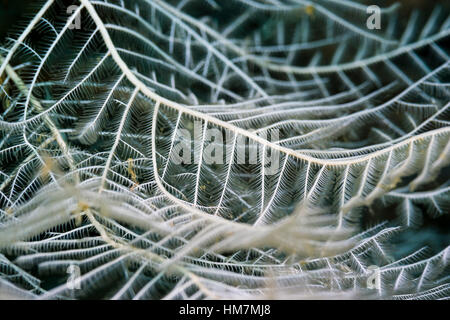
{"x":12,"y":10}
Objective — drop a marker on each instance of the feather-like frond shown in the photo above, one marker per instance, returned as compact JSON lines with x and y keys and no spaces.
{"x":292,"y":119}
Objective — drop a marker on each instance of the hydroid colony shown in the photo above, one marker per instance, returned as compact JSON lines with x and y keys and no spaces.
{"x":94,"y":99}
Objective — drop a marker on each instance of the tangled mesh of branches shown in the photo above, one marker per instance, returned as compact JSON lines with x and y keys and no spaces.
{"x":91,"y":118}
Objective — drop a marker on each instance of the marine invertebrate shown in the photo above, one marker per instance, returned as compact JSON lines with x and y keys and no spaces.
{"x":356,"y":121}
